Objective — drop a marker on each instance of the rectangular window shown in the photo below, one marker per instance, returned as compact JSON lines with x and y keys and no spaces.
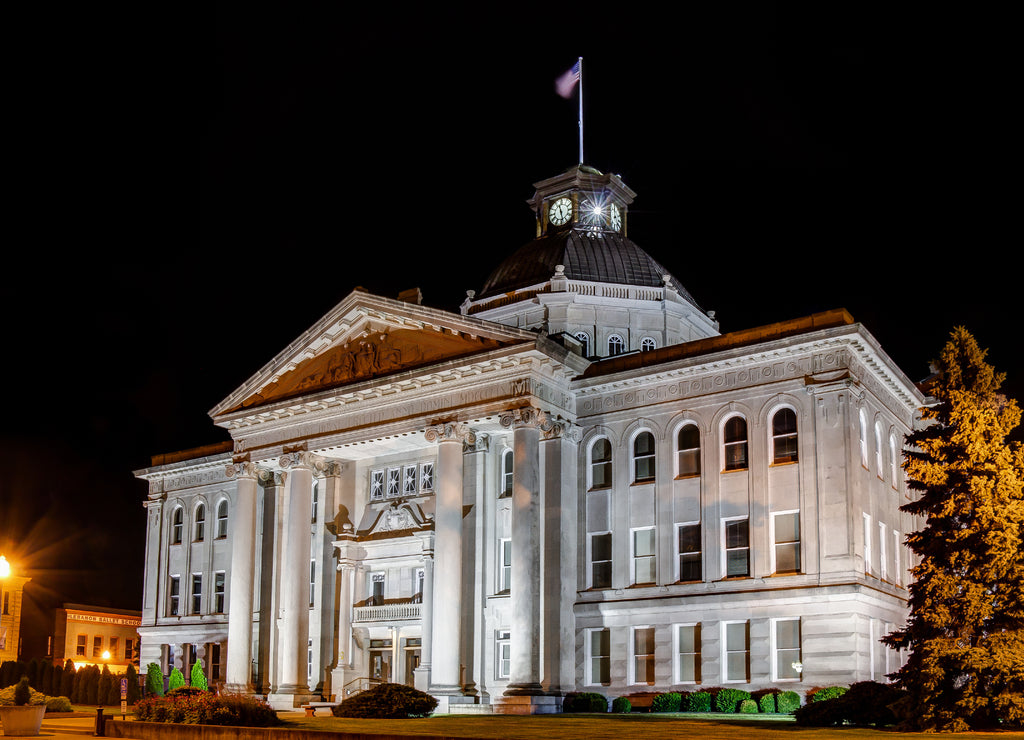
{"x":787,"y":542}
{"x":214,"y":660}
{"x":316,"y":501}
{"x":643,"y":655}
{"x":601,"y":560}
{"x":97,"y":647}
{"x":129,"y":649}
{"x":505,"y":574}
{"x":882,"y":564}
{"x":688,"y":653}
{"x":394,"y":486}
{"x":312,"y":583}
{"x":377,"y":596}
{"x":409,"y":480}
{"x":599,"y":657}
{"x":644,"y":562}
{"x":427,"y":477}
{"x":376,"y":485}
{"x":737,"y":651}
{"x":113,"y":647}
{"x":175,"y":596}
{"x":197,"y":593}
{"x":503,"y":654}
{"x":897,"y":574}
{"x":80,"y":646}
{"x":736,"y":539}
{"x":218,"y":593}
{"x":689,"y":552}
{"x":867,"y":544}
{"x":786,"y":637}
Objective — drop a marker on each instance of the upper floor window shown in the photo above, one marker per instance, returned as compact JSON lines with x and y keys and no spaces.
{"x":737,"y":548}
{"x":507,"y":470}
{"x":643,"y":457}
{"x":863,"y":438}
{"x":222,"y":519}
{"x":601,"y":464}
{"x":615,"y":345}
{"x":197,"y":592}
{"x":585,"y":341}
{"x":505,"y":574}
{"x":174,"y":596}
{"x":689,"y":552}
{"x":218,"y":592}
{"x":316,"y":501}
{"x":177,"y":525}
{"x":879,"y":461}
{"x":784,"y":438}
{"x":647,"y":344}
{"x":688,"y":444}
{"x":735,"y":443}
{"x":200,"y":523}
{"x":786,"y":528}
{"x":644,"y":558}
{"x":376,"y":589}
{"x":400,"y":480}
{"x":894,"y":462}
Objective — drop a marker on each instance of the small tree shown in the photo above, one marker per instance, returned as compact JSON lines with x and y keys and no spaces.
{"x":103,"y":689}
{"x":67,"y":680}
{"x":154,"y":680}
{"x":198,"y":679}
{"x":966,"y":625}
{"x":176,"y":680}
{"x":133,"y":683}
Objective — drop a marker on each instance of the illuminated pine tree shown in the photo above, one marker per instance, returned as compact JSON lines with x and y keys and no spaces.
{"x":966,"y":625}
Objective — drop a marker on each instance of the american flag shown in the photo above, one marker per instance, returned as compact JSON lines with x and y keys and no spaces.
{"x":565,"y":84}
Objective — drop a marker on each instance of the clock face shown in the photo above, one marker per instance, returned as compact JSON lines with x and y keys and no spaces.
{"x":616,"y":218}
{"x":560,"y":211}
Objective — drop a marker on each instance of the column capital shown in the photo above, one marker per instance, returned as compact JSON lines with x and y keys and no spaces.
{"x":450,"y":431}
{"x":307,"y":460}
{"x":560,"y":429}
{"x":242,"y":470}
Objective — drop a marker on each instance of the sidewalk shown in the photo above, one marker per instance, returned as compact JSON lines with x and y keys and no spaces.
{"x":69,"y":727}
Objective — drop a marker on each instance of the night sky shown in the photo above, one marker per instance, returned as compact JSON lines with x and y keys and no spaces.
{"x":194,"y":192}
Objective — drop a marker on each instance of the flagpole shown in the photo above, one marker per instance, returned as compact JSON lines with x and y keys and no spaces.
{"x":580,"y":62}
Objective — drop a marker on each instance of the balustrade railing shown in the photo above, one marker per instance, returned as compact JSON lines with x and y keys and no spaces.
{"x":386,"y":613}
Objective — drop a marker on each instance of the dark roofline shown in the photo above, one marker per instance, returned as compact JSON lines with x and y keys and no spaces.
{"x":100,"y":610}
{"x":217,"y":448}
{"x":742,"y":338}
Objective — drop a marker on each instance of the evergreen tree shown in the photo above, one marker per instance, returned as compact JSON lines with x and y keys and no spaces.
{"x":176,"y":680}
{"x":198,"y":679}
{"x":966,"y":625}
{"x":67,"y":680}
{"x":154,"y":680}
{"x":103,"y":688}
{"x":133,"y":684}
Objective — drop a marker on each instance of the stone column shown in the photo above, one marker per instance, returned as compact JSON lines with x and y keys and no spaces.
{"x":347,"y":569}
{"x":294,"y":636}
{"x":446,"y":624}
{"x":422,"y":673}
{"x":525,"y":595}
{"x":243,"y":571}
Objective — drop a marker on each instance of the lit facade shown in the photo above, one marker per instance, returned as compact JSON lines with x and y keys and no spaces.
{"x":576,"y":483}
{"x":94,"y":635}
{"x":12,"y":593}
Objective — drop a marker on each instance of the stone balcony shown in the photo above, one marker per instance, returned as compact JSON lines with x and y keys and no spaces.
{"x":387,"y":613}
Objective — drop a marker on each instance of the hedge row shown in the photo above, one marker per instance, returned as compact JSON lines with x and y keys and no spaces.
{"x":712,"y":699}
{"x":89,"y":685}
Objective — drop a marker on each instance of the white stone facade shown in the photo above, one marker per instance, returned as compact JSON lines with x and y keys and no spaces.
{"x":467,"y":504}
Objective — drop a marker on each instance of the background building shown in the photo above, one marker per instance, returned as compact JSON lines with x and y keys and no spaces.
{"x":12,"y":591}
{"x":574,"y":483}
{"x":93,"y":635}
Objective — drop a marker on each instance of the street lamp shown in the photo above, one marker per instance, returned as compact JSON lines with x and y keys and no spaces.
{"x":5,"y":571}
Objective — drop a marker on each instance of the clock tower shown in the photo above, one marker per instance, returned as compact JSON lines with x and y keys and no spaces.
{"x":582,"y":198}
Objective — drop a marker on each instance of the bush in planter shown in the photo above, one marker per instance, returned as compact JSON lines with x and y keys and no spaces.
{"x":621,"y":705}
{"x":586,"y":701}
{"x":698,"y":701}
{"x":387,"y":701}
{"x":22,"y":693}
{"x":728,"y":700}
{"x":667,"y":702}
{"x":787,"y":702}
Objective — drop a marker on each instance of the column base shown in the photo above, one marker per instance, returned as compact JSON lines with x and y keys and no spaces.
{"x":524,"y":689}
{"x":527,"y":704}
{"x":285,"y":699}
{"x":239,"y":688}
{"x":453,"y":703}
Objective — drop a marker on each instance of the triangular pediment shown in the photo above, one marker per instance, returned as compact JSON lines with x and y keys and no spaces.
{"x":366,"y":337}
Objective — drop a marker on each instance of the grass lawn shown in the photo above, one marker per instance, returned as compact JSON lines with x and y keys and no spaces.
{"x":609,"y":727}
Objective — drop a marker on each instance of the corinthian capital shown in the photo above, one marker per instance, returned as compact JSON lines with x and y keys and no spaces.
{"x":525,"y":416}
{"x":450,"y":431}
{"x":303,"y":460}
{"x":242,"y":470}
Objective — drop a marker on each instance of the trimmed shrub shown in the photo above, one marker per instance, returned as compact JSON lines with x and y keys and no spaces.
{"x":387,"y":701}
{"x":667,"y":702}
{"x":22,"y":692}
{"x":585,"y":702}
{"x":728,"y":700}
{"x":133,"y":684}
{"x":621,"y":705}
{"x":787,"y":702}
{"x":198,"y":679}
{"x":698,"y":701}
{"x":866,"y":703}
{"x":175,"y":680}
{"x":58,"y":704}
{"x":748,"y":706}
{"x":154,"y":680}
{"x":825,"y":693}
{"x":765,"y":699}
{"x":203,"y":708}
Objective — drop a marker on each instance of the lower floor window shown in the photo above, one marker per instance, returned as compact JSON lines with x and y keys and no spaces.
{"x":737,"y":651}
{"x":599,"y":654}
{"x":503,"y":658}
{"x":787,"y":650}
{"x":688,"y":653}
{"x":643,"y":655}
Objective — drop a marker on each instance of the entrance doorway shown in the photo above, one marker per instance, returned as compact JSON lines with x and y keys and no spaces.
{"x":380,"y":660}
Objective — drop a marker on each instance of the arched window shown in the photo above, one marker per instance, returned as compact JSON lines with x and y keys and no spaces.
{"x":894,"y":461}
{"x":585,"y":341}
{"x":200,"y":525}
{"x":647,"y":344}
{"x":735,"y":443}
{"x":615,"y":345}
{"x":601,"y":464}
{"x":643,"y":457}
{"x":177,"y":525}
{"x":879,"y":460}
{"x":784,"y":438}
{"x":507,"y":460}
{"x":222,"y":518}
{"x":863,"y":439}
{"x":688,"y":446}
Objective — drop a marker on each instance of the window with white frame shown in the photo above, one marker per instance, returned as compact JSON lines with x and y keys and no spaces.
{"x":222,"y":519}
{"x":644,"y":561}
{"x":688,"y":451}
{"x":786,"y":526}
{"x":643,"y":458}
{"x":404,"y":480}
{"x":736,"y":544}
{"x":601,"y":463}
{"x":647,"y":344}
{"x":507,"y":462}
{"x":177,"y":525}
{"x":734,"y":441}
{"x":376,"y":485}
{"x":200,"y":524}
{"x":312,"y":582}
{"x":867,"y":543}
{"x":80,"y":645}
{"x":736,"y":651}
{"x":426,"y":477}
{"x":879,"y":462}
{"x":894,"y":463}
{"x":615,"y":345}
{"x":897,"y":575}
{"x":377,"y":589}
{"x":505,"y":569}
{"x":218,"y":592}
{"x":309,"y":661}
{"x":394,"y":487}
{"x":863,"y":438}
{"x":643,"y":655}
{"x":687,"y":653}
{"x":197,"y":593}
{"x":174,"y":596}
{"x":786,"y":663}
{"x":883,"y":565}
{"x":584,"y":341}
{"x":502,"y":654}
{"x":689,"y":548}
{"x":784,"y":436}
{"x":599,"y":538}
{"x":316,"y":501}
{"x":599,"y":656}
{"x":409,"y":480}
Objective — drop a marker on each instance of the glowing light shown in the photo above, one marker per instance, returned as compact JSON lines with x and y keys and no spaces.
{"x":5,"y":567}
{"x":106,"y":655}
{"x":798,"y":666}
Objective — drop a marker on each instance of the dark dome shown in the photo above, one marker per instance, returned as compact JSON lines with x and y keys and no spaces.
{"x":604,"y":258}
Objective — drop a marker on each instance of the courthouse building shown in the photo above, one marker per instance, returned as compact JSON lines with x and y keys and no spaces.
{"x":575,"y":483}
